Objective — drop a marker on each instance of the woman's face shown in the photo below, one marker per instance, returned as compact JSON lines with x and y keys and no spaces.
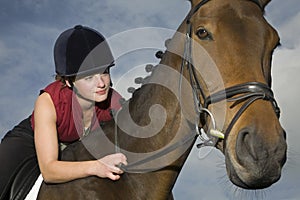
{"x":94,"y":87}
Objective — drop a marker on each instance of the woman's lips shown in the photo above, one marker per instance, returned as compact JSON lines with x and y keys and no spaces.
{"x":102,"y":92}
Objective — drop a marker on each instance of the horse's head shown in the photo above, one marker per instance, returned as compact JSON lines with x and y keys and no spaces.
{"x":240,"y":42}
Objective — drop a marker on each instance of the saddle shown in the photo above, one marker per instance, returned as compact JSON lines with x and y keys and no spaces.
{"x":25,"y":179}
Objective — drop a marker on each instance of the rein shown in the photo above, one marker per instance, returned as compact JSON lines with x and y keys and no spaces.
{"x":248,"y":92}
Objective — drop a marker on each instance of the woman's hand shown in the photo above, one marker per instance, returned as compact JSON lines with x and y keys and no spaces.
{"x":107,"y":166}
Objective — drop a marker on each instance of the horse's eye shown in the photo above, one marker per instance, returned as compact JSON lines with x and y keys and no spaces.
{"x":203,"y":34}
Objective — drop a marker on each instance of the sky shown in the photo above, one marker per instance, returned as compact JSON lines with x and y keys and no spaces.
{"x":29,"y":29}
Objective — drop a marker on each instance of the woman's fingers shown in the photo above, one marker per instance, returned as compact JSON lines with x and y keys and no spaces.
{"x":113,"y":165}
{"x":116,"y":170}
{"x":122,"y":158}
{"x":114,"y":177}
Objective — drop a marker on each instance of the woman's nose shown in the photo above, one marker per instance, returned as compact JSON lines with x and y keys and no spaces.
{"x":100,"y":81}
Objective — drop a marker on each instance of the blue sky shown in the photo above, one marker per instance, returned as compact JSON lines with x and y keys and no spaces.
{"x":30,"y":27}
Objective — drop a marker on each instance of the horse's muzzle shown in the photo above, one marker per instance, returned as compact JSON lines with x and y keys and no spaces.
{"x":257,"y":163}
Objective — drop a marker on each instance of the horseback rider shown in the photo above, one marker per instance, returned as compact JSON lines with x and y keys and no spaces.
{"x":74,"y":104}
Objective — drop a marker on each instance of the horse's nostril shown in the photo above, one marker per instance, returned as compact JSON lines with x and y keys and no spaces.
{"x":249,"y":147}
{"x":284,"y":134}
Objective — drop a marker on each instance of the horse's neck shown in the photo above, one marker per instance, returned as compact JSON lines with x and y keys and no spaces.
{"x":165,"y":123}
{"x":152,"y":114}
{"x":163,"y":86}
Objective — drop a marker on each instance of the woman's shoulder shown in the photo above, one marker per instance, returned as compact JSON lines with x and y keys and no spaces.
{"x":44,"y":106}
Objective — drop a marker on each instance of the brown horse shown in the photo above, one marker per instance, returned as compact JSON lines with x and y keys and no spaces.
{"x":228,"y":94}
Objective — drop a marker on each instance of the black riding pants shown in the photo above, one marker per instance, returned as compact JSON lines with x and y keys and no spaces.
{"x":16,"y":149}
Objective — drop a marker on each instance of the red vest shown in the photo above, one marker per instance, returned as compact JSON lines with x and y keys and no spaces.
{"x":69,"y":113}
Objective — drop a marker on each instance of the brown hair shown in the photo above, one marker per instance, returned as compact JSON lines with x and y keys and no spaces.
{"x":63,"y":79}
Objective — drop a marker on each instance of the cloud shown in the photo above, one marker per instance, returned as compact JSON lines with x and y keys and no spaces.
{"x":25,"y":63}
{"x":279,"y":13}
{"x":286,"y":69}
{"x":290,"y":31}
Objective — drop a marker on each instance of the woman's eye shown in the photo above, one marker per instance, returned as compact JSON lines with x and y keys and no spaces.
{"x":88,"y":78}
{"x":203,"y":34}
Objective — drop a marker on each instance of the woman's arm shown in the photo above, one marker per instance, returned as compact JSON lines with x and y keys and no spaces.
{"x":47,"y":148}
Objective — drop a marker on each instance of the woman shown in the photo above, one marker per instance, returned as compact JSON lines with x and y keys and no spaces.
{"x":66,"y":110}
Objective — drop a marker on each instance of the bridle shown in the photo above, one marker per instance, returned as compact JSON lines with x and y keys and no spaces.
{"x":246,"y":92}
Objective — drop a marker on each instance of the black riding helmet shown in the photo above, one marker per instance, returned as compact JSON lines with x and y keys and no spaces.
{"x":81,"y":51}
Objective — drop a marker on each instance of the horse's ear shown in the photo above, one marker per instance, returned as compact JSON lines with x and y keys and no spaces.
{"x":194,"y":2}
{"x":263,"y":3}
